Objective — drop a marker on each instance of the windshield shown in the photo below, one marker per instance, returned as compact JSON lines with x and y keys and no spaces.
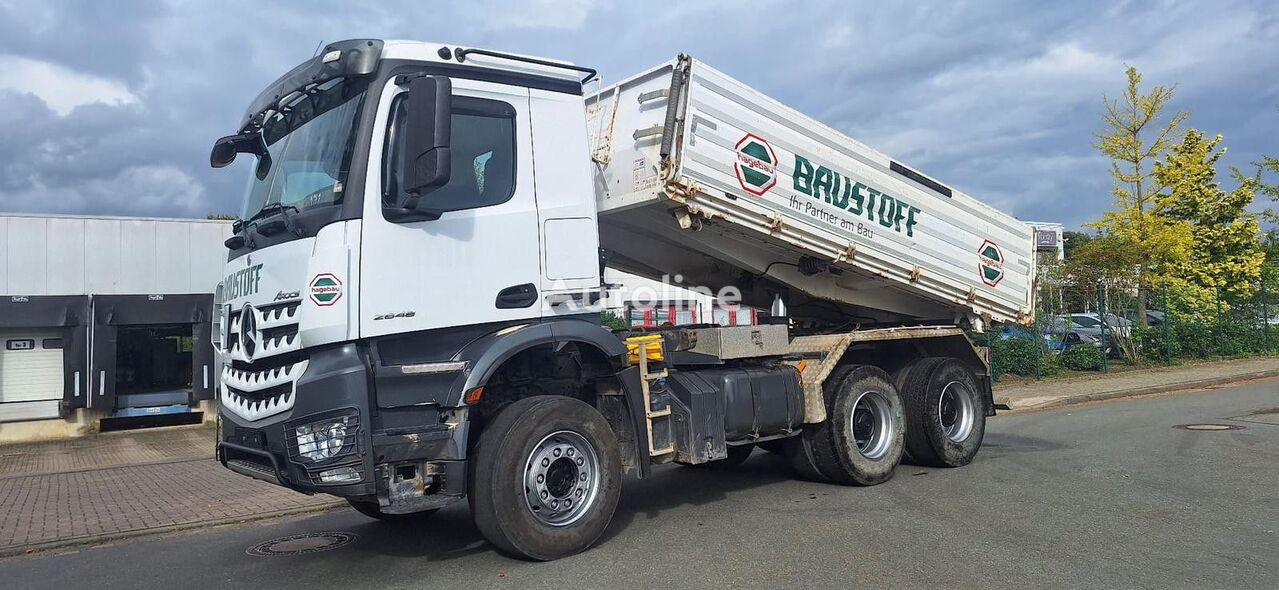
{"x":1085,"y":321}
{"x":310,"y":146}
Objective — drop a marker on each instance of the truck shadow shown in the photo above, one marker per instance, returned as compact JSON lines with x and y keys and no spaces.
{"x":450,"y":534}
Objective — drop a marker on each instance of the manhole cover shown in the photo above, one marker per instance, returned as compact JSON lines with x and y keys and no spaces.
{"x":300,"y":544}
{"x":1209,"y":427}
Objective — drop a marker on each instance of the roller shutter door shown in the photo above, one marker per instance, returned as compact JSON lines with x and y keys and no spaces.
{"x":31,"y":379}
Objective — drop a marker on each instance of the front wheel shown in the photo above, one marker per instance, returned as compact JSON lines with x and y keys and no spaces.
{"x":545,"y":478}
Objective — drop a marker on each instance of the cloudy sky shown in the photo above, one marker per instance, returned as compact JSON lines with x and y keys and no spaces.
{"x":110,"y":107}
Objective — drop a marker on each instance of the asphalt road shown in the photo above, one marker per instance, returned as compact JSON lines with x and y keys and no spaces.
{"x":1107,"y":495}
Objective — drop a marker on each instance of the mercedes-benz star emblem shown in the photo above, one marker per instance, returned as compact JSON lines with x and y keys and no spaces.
{"x":248,"y":331}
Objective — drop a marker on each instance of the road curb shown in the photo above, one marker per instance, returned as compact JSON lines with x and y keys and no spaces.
{"x":13,"y":551}
{"x":1067,"y":400}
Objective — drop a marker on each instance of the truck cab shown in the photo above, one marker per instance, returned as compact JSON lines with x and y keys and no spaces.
{"x":407,"y":316}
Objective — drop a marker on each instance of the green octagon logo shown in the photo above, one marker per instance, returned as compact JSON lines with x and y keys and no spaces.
{"x":326,"y":289}
{"x":990,"y":263}
{"x":756,"y":165}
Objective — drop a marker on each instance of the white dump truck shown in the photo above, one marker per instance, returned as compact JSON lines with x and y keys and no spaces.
{"x":409,"y":310}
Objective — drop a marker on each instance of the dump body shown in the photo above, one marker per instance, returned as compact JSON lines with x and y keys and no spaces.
{"x":701,"y":176}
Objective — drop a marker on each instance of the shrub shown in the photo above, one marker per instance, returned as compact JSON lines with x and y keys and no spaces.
{"x":613,"y":321}
{"x":1083,"y":358}
{"x":1050,"y":365}
{"x":1019,"y":356}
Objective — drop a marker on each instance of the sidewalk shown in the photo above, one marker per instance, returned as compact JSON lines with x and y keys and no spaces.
{"x":1059,"y":392}
{"x":122,"y":484}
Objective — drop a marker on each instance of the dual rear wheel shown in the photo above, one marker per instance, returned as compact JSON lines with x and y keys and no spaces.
{"x":930,"y":413}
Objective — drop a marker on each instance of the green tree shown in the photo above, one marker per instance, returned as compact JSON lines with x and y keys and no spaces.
{"x":1227,"y":254}
{"x":1268,"y":166}
{"x":1072,"y":240}
{"x":1134,"y":139}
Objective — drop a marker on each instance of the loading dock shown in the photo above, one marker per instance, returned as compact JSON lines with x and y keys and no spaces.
{"x":152,"y":358}
{"x":104,"y":322}
{"x":43,"y":356}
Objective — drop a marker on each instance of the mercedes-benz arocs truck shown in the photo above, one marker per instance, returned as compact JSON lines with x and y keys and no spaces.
{"x":410,"y":308}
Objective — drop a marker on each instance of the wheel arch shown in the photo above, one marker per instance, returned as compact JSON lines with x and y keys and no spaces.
{"x":617,"y":394}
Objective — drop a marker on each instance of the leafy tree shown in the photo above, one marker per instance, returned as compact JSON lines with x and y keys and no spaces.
{"x":1227,"y":253}
{"x":1072,"y":240}
{"x":1113,"y":260}
{"x":220,"y":216}
{"x":1133,"y":139}
{"x":1268,"y":165}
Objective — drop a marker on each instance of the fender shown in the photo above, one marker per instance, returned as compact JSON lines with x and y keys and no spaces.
{"x":486,"y":354}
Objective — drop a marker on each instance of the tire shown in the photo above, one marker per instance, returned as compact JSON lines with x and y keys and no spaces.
{"x":798,"y":449}
{"x":579,"y":462}
{"x":372,"y":510}
{"x":945,"y":415}
{"x":862,"y":440}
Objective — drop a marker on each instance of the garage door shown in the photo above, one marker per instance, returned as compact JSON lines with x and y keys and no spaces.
{"x":30,"y":374}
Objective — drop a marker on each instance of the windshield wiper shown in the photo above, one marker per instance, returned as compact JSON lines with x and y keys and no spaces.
{"x":285,"y":223}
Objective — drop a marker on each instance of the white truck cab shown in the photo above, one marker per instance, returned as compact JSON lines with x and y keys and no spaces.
{"x":407,"y":315}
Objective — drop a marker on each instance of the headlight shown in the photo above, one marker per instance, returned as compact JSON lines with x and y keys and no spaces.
{"x":326,"y":439}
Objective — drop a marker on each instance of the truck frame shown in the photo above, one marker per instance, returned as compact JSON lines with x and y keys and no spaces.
{"x":410,"y":310}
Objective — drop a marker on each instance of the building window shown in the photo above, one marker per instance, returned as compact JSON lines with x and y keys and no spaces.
{"x":51,"y":344}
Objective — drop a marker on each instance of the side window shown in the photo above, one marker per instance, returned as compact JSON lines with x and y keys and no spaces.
{"x":51,"y":343}
{"x":482,"y":147}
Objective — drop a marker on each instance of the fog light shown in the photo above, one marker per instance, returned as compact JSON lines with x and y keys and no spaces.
{"x":326,"y":439}
{"x":340,"y":475}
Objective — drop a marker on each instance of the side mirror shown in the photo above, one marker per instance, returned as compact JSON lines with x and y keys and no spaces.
{"x":428,"y":111}
{"x":226,"y":148}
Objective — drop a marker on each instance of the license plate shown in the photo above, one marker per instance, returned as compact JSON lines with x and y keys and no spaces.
{"x":253,"y":439}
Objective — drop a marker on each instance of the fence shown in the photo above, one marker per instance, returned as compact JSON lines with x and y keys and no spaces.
{"x":1099,"y":326}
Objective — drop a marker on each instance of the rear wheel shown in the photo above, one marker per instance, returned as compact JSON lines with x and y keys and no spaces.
{"x":372,"y":510}
{"x":946,"y":420}
{"x":799,"y":449}
{"x":862,"y":439}
{"x":545,"y":478}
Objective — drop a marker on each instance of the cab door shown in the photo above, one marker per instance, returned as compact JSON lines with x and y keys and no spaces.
{"x":478,"y":262}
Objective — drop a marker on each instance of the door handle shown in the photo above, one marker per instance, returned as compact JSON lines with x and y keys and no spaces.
{"x":517,"y":296}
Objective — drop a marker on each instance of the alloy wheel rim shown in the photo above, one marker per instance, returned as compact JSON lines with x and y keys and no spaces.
{"x":872,"y":425}
{"x":956,"y":411}
{"x":561,"y":478}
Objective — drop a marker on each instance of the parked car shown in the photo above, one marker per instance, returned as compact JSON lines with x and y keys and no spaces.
{"x":1052,"y":342}
{"x":1087,"y":327}
{"x":1113,"y":323}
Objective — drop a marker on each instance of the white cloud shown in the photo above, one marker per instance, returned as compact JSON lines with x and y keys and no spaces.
{"x":498,"y":15}
{"x":63,"y":89}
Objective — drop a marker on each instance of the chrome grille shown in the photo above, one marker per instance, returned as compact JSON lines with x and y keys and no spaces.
{"x":266,"y":362}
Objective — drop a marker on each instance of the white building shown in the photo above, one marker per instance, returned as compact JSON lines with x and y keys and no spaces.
{"x":105,"y":322}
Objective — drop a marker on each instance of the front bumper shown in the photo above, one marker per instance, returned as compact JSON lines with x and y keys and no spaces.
{"x":401,"y":455}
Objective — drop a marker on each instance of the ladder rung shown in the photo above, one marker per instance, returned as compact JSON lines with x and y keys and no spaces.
{"x":665,"y":451}
{"x":662,"y":412}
